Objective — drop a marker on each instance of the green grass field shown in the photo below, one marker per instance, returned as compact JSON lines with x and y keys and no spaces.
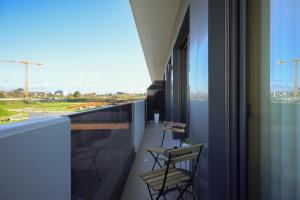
{"x":37,"y":106}
{"x":5,"y":113}
{"x":19,"y":110}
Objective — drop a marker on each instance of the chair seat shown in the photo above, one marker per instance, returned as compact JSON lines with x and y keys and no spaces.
{"x":175,"y":176}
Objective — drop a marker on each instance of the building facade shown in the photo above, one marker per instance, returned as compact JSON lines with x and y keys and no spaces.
{"x":225,"y":64}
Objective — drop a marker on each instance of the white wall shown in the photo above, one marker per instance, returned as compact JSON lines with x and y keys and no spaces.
{"x":138,"y":121}
{"x":35,"y":160}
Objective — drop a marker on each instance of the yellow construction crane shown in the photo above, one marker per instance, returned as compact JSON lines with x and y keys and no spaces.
{"x":26,"y":64}
{"x":295,"y":62}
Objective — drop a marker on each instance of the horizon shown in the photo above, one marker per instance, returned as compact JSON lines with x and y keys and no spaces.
{"x":71,"y":93}
{"x":100,"y":47}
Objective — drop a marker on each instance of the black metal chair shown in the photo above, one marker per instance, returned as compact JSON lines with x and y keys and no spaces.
{"x":168,"y":179}
{"x":157,"y":151}
{"x":174,"y":127}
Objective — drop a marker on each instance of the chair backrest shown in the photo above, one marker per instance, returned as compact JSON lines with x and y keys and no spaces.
{"x":174,"y":124}
{"x":183,"y":154}
{"x":175,"y":127}
{"x":191,"y":153}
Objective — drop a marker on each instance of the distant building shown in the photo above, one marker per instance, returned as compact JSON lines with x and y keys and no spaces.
{"x":119,"y":93}
{"x":19,"y":91}
{"x":60,"y":93}
{"x":37,"y":94}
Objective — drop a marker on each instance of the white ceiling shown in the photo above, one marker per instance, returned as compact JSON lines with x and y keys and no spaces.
{"x":155,"y":21}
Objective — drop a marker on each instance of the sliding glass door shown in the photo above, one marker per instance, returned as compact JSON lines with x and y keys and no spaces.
{"x":273,"y":99}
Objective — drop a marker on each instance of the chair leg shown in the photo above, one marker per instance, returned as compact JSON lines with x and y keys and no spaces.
{"x":179,"y":190}
{"x":182,"y":193}
{"x":150,"y":192}
{"x":158,"y":196}
{"x":163,"y":139}
{"x":181,"y":141}
{"x":155,"y":161}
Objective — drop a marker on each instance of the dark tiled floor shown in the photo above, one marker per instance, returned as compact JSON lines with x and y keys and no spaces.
{"x":136,"y":189}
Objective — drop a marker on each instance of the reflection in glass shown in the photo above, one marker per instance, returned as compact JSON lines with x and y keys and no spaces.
{"x":285,"y":104}
{"x":101,"y":148}
{"x":279,"y":107}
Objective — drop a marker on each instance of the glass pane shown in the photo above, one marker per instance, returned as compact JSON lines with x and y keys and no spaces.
{"x":274,"y":120}
{"x":101,"y":148}
{"x":285,"y":121}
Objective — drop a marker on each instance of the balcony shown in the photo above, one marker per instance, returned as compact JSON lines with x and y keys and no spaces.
{"x":88,"y":155}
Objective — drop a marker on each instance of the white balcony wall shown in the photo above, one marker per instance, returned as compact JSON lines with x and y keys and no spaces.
{"x":138,"y":122}
{"x":35,"y":160}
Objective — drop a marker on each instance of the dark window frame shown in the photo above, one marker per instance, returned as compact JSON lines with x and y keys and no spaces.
{"x":227,"y":99}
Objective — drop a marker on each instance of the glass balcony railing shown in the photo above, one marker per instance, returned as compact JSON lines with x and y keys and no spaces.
{"x":102,"y":151}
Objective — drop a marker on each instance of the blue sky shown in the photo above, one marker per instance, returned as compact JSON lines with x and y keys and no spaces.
{"x":285,"y":42}
{"x":88,"y":45}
